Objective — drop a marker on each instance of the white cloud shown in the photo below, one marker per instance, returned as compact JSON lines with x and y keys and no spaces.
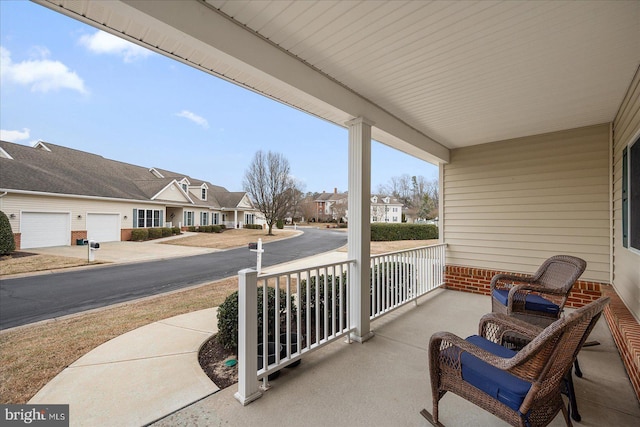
{"x":194,"y":118}
{"x":41,"y":75}
{"x":14,"y":135}
{"x":105,"y":43}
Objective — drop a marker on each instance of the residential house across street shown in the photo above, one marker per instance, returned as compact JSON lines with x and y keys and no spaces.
{"x":56,"y":196}
{"x":334,"y":207}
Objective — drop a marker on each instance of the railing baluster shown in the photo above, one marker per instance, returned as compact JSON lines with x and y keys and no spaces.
{"x":317,"y":305}
{"x":334,"y":311}
{"x":287,"y":342}
{"x":276,"y":319}
{"x":265,"y":339}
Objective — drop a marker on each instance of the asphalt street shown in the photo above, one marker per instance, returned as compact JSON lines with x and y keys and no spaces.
{"x":40,"y":297}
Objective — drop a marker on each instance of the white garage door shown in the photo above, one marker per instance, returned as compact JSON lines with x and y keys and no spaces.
{"x":103,"y":227}
{"x":43,"y":229}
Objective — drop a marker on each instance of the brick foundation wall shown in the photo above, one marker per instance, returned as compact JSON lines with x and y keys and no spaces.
{"x":478,"y":281}
{"x":625,"y":330}
{"x":78,"y":234}
{"x":125,"y":234}
{"x":17,"y":237}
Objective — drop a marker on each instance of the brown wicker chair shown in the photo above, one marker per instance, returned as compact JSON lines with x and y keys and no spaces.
{"x":540,"y":298}
{"x":523,"y":388}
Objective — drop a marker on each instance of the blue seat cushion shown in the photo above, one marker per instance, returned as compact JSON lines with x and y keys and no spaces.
{"x":499,"y":384}
{"x":532,"y":302}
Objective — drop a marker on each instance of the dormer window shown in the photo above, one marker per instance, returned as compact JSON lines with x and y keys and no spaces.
{"x":184,"y":187}
{"x":203,"y":194}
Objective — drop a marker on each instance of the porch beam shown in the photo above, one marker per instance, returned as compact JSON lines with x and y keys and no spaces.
{"x":359,"y":230}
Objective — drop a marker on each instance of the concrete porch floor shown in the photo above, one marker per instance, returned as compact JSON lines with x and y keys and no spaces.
{"x":385,"y":381}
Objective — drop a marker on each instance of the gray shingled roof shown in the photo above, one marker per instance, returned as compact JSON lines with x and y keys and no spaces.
{"x":324,"y":197}
{"x":228,"y":199}
{"x":68,"y":171}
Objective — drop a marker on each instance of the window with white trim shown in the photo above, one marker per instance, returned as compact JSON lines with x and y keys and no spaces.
{"x":189,"y":218}
{"x":631,"y":196}
{"x":203,"y":194}
{"x":149,"y":218}
{"x":205,"y":218}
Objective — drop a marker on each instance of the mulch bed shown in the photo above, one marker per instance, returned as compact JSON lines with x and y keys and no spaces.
{"x":17,"y":254}
{"x":212,"y":359}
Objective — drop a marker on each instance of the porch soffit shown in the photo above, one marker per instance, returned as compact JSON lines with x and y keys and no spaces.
{"x":431,"y":75}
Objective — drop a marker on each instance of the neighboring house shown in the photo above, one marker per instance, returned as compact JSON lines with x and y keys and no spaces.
{"x":385,"y":209}
{"x":55,"y":195}
{"x":331,"y":206}
{"x":334,"y":206}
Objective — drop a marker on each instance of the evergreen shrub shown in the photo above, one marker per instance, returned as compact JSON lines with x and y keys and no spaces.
{"x":140,"y":234}
{"x":155,"y":233}
{"x":7,"y":242}
{"x":228,"y":316}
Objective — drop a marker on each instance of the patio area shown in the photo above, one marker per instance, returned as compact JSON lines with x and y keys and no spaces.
{"x":385,"y":382}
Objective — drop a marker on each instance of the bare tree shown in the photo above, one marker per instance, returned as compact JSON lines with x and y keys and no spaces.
{"x":270,"y":185}
{"x":308,"y":207}
{"x":416,"y":193}
{"x":429,"y":202}
{"x":339,"y":210}
{"x":296,"y":194}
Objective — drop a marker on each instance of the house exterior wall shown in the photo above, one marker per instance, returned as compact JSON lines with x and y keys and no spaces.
{"x":509,"y":205}
{"x":626,"y":129}
{"x":173,"y":193}
{"x":391,"y":213}
{"x":15,"y":204}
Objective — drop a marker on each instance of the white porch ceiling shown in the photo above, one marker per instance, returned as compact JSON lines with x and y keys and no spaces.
{"x":432,"y":75}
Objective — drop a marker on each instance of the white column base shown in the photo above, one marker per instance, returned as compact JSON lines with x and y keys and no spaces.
{"x":248,"y":399}
{"x":362,"y":339}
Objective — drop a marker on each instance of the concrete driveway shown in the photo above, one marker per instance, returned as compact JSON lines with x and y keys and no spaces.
{"x":123,"y":252}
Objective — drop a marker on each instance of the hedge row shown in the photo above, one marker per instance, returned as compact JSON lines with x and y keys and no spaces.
{"x":253,"y":226}
{"x":208,"y":228}
{"x":390,"y":232}
{"x":140,"y":234}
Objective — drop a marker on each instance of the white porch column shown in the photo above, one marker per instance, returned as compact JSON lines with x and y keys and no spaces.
{"x":235,"y":219}
{"x":440,"y":224}
{"x":247,"y":337}
{"x":359,"y":231}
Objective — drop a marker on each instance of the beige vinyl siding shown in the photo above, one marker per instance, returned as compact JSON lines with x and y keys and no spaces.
{"x":172,"y":193}
{"x":509,"y":205}
{"x":626,"y":129}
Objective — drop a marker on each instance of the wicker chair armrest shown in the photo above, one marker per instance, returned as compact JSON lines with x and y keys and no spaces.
{"x":493,"y":326}
{"x":496,"y":281}
{"x":445,"y":340}
{"x":535,"y":287}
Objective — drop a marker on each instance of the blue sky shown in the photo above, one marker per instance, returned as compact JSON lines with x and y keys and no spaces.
{"x":69,"y":84}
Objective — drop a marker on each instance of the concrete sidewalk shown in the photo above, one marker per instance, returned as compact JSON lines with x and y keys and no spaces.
{"x":138,"y":377}
{"x":148,"y":373}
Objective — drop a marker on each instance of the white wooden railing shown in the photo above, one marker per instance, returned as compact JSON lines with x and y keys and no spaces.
{"x":313,"y":308}
{"x":404,"y":276}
